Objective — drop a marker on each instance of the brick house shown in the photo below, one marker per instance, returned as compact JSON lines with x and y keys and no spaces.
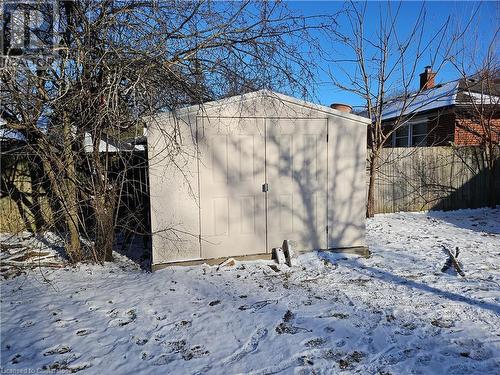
{"x":445,"y":114}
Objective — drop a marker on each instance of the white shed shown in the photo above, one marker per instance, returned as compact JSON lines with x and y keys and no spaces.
{"x":253,"y":171}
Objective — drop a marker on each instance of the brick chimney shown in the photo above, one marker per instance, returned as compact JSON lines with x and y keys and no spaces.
{"x":427,"y":78}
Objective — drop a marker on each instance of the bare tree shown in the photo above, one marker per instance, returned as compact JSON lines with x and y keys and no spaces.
{"x":384,"y":61}
{"x":478,"y":101}
{"x":118,"y":62}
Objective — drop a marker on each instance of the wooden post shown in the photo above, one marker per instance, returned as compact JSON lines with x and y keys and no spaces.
{"x":287,"y":250}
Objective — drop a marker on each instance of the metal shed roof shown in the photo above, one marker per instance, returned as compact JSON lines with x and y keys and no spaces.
{"x":285,"y":99}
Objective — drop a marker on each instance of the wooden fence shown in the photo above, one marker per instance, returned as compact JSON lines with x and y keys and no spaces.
{"x":434,"y":178}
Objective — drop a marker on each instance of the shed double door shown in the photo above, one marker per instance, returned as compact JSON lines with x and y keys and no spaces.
{"x":261,"y":181}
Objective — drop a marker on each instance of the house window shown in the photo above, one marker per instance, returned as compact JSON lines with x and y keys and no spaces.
{"x":401,"y":136}
{"x":411,"y":134}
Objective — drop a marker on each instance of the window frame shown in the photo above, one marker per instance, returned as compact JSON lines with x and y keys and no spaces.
{"x":410,"y":133}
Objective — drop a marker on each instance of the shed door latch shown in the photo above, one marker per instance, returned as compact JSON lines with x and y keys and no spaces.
{"x":265,"y":187}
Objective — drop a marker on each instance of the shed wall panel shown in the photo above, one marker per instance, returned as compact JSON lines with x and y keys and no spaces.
{"x":173,"y":175}
{"x":346,"y":183}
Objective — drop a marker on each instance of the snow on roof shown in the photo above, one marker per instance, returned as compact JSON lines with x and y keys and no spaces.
{"x":452,"y":93}
{"x":8,"y":134}
{"x":438,"y":97}
{"x":108,"y":144}
{"x":479,"y":98}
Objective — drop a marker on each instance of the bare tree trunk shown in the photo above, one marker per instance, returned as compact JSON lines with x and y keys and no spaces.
{"x":370,"y":203}
{"x":105,"y":226}
{"x":71,"y":196}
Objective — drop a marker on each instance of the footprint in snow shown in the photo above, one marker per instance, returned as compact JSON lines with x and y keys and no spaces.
{"x":83,"y":332}
{"x":183,"y":324}
{"x":256,"y":306}
{"x":335,"y":315}
{"x":305,"y":360}
{"x":340,"y":343}
{"x":351,"y":360}
{"x":146,"y":356}
{"x":140,"y":341}
{"x":423,"y":359}
{"x":64,"y":323}
{"x":489,"y":367}
{"x":59,"y":349}
{"x":63,"y":366}
{"x":287,"y":327}
{"x":443,"y":323}
{"x":118,"y":322}
{"x":163,"y":359}
{"x":195,"y":352}
{"x":27,"y":323}
{"x":130,"y":316}
{"x":392,"y":358}
{"x":175,"y":346}
{"x":405,"y":329}
{"x":249,"y":347}
{"x":473,"y":348}
{"x":315,"y":343}
{"x":113,"y":313}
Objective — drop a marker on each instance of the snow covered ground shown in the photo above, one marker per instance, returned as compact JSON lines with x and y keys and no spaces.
{"x":394,"y":313}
